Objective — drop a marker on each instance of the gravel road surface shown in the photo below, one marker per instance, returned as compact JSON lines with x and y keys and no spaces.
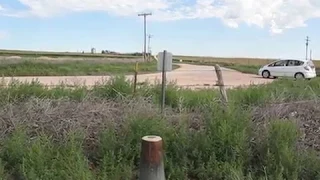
{"x":193,"y":76}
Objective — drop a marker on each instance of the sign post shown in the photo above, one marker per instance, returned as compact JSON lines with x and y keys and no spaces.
{"x":164,"y":65}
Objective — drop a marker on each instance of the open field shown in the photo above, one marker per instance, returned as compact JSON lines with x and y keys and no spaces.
{"x":246,"y":65}
{"x":249,"y":66}
{"x":231,"y":60}
{"x":269,"y":131}
{"x":67,"y":55}
{"x":36,"y":54}
{"x":28,"y":63}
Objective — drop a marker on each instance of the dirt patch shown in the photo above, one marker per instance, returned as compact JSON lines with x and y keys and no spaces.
{"x":45,"y":58}
{"x":12,"y":57}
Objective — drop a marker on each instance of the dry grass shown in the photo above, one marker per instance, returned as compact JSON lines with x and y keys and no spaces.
{"x":306,"y":114}
{"x":56,"y":118}
{"x":111,"y":129}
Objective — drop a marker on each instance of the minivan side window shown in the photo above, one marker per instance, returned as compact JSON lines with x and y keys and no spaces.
{"x":280,"y":63}
{"x":294,"y":63}
{"x":270,"y":65}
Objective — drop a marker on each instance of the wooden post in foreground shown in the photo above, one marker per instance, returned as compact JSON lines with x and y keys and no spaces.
{"x":151,"y":160}
{"x":220,"y":83}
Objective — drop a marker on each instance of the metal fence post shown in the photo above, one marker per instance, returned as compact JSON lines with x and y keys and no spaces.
{"x":151,"y":160}
{"x":135,"y":78}
{"x":163,"y":84}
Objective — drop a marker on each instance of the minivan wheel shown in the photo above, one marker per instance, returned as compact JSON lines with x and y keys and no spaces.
{"x":299,"y":76}
{"x":265,"y":74}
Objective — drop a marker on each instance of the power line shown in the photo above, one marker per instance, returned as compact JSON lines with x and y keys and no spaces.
{"x":307,"y":46}
{"x":145,"y":32}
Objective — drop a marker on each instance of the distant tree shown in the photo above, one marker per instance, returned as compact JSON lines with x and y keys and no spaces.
{"x":137,"y":54}
{"x":103,"y":52}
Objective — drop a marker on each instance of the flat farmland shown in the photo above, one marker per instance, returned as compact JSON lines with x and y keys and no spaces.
{"x":35,"y":54}
{"x":244,"y":65}
{"x":230,"y":60}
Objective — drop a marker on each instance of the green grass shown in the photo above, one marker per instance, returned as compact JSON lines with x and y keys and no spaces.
{"x":72,"y":68}
{"x":249,"y":69}
{"x":80,"y":133}
{"x":244,"y":68}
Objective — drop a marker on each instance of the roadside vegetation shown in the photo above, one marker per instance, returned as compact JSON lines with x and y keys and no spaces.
{"x":73,"y":68}
{"x":269,"y":131}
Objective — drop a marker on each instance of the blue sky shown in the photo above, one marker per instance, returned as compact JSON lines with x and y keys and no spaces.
{"x":231,"y":28}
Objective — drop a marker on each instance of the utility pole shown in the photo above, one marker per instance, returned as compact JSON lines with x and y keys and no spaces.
{"x":149,"y":47}
{"x":310,"y":54}
{"x":145,"y":32}
{"x":307,"y":46}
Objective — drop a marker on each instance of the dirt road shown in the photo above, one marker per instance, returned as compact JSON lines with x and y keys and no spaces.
{"x":193,"y":76}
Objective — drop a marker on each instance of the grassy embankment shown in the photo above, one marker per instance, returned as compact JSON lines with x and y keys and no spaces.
{"x":32,"y":63}
{"x":73,"y":68}
{"x":64,"y":133}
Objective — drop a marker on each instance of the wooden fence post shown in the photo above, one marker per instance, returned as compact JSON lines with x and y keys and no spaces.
{"x":220,"y":83}
{"x":151,"y":160}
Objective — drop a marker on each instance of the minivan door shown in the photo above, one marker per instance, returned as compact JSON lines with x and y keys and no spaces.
{"x":277,"y":68}
{"x":293,"y":66}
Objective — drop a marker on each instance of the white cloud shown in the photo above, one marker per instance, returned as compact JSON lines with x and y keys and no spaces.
{"x":276,"y":15}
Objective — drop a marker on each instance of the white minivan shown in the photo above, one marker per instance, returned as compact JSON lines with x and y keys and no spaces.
{"x":289,"y":68}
